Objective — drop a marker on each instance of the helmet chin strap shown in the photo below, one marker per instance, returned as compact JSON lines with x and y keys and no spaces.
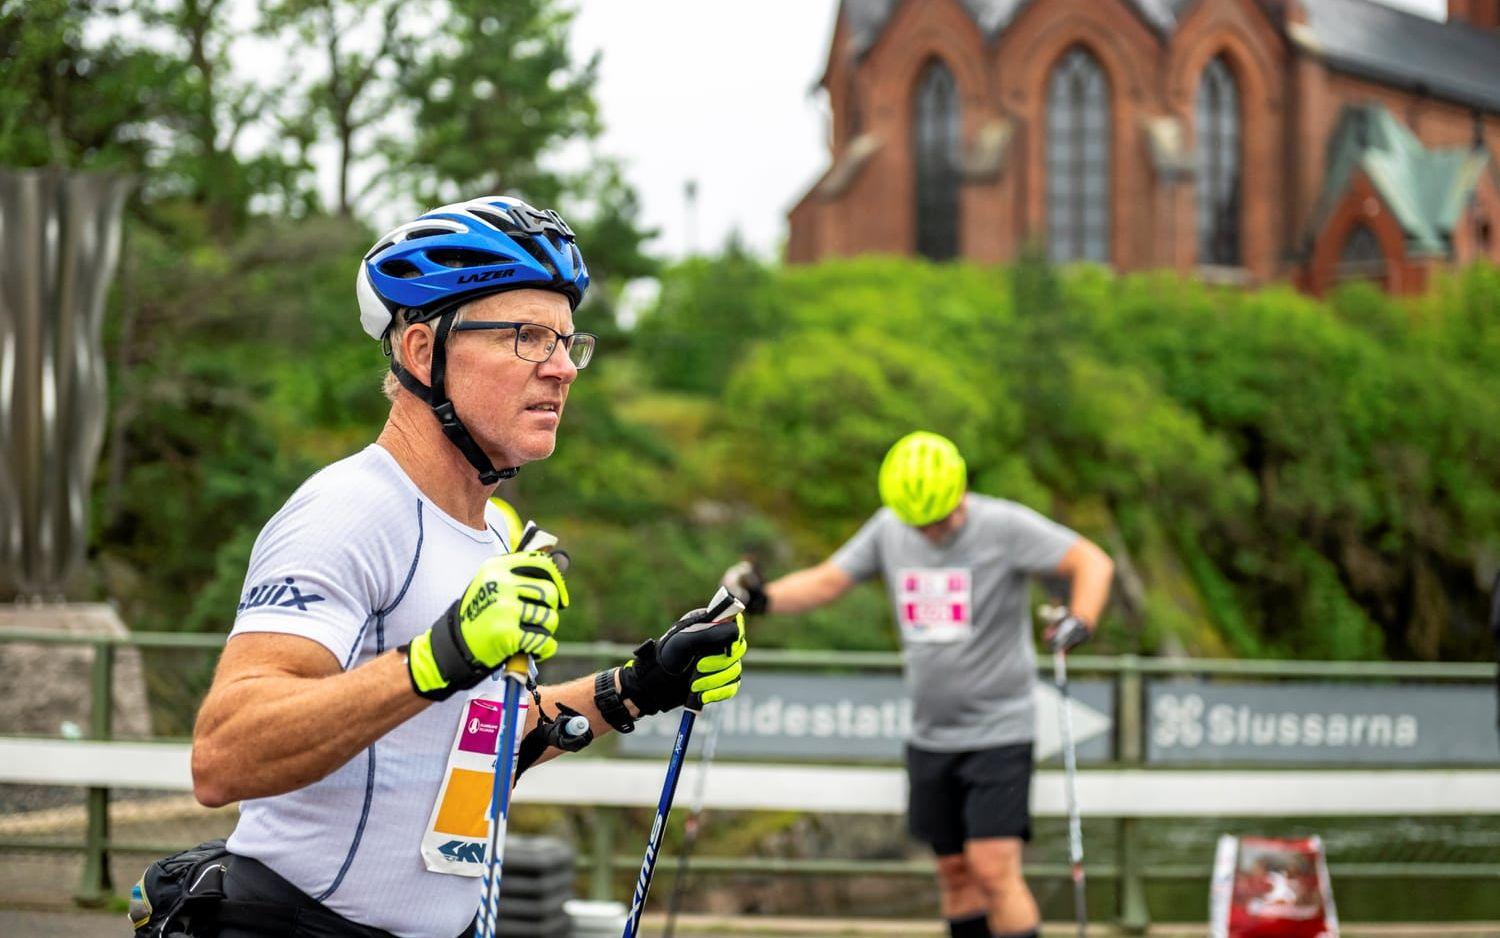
{"x":436,"y":397}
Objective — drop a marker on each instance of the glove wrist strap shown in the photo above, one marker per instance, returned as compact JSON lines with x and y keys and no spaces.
{"x":611,"y":707}
{"x":755,"y":601}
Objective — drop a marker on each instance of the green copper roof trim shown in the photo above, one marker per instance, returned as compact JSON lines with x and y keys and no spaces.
{"x":1427,"y":190}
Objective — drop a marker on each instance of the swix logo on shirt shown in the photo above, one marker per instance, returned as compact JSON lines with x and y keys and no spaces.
{"x":935,"y":605}
{"x":284,"y":594}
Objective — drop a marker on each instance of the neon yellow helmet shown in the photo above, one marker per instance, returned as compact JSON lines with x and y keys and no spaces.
{"x":923,"y":478}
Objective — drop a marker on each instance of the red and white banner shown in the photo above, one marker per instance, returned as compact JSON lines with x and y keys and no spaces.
{"x":1267,"y":887}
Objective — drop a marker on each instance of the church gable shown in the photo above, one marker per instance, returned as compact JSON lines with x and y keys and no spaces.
{"x":1426,"y":190}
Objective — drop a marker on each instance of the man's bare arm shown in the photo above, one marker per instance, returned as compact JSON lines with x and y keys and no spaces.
{"x":282,"y":714}
{"x":578,"y":694}
{"x":808,"y":588}
{"x":1091,"y":571}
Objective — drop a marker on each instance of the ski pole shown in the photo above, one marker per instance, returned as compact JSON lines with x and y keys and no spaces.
{"x":690,"y":826}
{"x":516,"y":670}
{"x":1070,"y":775}
{"x":723,"y":606}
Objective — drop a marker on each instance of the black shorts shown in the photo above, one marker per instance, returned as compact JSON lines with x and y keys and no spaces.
{"x":959,"y":796}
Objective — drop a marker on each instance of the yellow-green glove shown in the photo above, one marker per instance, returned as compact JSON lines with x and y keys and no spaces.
{"x":510,"y":607}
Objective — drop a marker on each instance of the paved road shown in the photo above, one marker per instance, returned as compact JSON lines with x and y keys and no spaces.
{"x":81,"y":924}
{"x":64,"y":924}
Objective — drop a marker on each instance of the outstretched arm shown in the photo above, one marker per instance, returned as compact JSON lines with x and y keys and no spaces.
{"x":808,"y":588}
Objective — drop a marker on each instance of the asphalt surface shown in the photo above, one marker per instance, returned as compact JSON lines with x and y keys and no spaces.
{"x":79,"y":923}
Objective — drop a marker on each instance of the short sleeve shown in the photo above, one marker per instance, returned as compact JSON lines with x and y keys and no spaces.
{"x":1032,"y":542}
{"x":860,"y":555}
{"x":313,"y":573}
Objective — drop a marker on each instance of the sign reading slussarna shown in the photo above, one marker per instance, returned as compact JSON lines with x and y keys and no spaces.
{"x":1199,"y":722}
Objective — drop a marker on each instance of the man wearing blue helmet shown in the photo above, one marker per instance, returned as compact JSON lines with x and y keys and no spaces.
{"x":354,"y":711}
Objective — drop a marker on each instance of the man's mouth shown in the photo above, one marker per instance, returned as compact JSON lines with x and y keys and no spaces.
{"x":546,"y":407}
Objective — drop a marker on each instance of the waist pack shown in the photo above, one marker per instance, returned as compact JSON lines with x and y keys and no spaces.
{"x":179,"y":891}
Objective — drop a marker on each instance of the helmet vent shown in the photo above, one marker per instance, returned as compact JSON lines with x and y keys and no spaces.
{"x":380,"y":245}
{"x":496,"y":220}
{"x":459,"y":258}
{"x":400,"y":269}
{"x":427,"y":233}
{"x":535,"y":250}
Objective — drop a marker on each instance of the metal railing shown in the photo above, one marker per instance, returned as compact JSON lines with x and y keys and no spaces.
{"x":1129,"y":673}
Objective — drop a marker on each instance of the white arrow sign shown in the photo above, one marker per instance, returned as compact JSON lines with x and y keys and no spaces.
{"x":1087,"y":722}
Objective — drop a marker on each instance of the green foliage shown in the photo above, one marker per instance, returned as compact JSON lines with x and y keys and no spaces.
{"x":215,"y":416}
{"x":68,"y":103}
{"x":708,"y":313}
{"x":815,"y":411}
{"x":491,"y":96}
{"x":1362,"y":449}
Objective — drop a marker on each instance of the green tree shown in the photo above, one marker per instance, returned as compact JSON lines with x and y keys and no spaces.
{"x":493,"y":91}
{"x":707,"y":315}
{"x":490,"y":95}
{"x":68,"y":102}
{"x":352,"y":96}
{"x":209,"y":109}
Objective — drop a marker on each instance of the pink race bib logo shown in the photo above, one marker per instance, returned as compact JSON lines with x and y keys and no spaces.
{"x":935,"y":605}
{"x":481,"y":728}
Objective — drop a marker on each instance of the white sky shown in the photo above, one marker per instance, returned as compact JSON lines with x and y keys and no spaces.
{"x":719,"y":93}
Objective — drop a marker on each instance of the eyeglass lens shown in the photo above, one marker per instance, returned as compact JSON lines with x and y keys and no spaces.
{"x":535,"y":343}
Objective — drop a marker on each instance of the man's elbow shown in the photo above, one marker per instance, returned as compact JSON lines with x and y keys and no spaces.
{"x":1106,"y":567}
{"x":210,"y":781}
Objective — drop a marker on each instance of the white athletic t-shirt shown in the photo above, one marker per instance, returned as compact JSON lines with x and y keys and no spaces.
{"x":359,"y":561}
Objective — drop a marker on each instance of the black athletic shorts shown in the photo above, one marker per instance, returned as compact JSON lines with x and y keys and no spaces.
{"x":959,"y":796}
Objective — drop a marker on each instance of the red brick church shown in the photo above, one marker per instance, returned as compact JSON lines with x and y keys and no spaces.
{"x":1245,"y":140}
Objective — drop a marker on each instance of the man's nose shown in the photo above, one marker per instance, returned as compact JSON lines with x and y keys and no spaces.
{"x":558,"y":364}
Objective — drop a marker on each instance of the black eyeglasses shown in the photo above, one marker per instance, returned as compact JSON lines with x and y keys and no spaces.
{"x":536,"y":342}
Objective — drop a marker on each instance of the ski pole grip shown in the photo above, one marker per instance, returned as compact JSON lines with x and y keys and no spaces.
{"x":519,"y":664}
{"x":722,"y":608}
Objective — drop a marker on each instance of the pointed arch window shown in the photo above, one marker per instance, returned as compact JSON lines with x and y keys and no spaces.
{"x":1219,"y":162}
{"x":1078,"y":160}
{"x":935,"y":143}
{"x":1362,"y":258}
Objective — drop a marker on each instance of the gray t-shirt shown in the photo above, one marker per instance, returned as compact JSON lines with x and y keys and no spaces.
{"x":962,"y":612}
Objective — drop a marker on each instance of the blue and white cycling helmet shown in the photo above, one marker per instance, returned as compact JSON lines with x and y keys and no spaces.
{"x":429,"y":267}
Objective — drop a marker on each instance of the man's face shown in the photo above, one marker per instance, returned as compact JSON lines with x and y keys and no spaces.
{"x":939,"y":532}
{"x":512,"y":407}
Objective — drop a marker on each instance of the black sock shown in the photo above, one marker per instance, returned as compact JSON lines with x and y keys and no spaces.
{"x":1030,"y":933}
{"x":975,"y":926}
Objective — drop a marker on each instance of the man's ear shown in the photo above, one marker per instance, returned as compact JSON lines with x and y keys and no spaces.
{"x":416,"y":351}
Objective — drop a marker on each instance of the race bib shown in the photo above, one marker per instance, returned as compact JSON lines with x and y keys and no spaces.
{"x":459,"y":829}
{"x":935,"y":605}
